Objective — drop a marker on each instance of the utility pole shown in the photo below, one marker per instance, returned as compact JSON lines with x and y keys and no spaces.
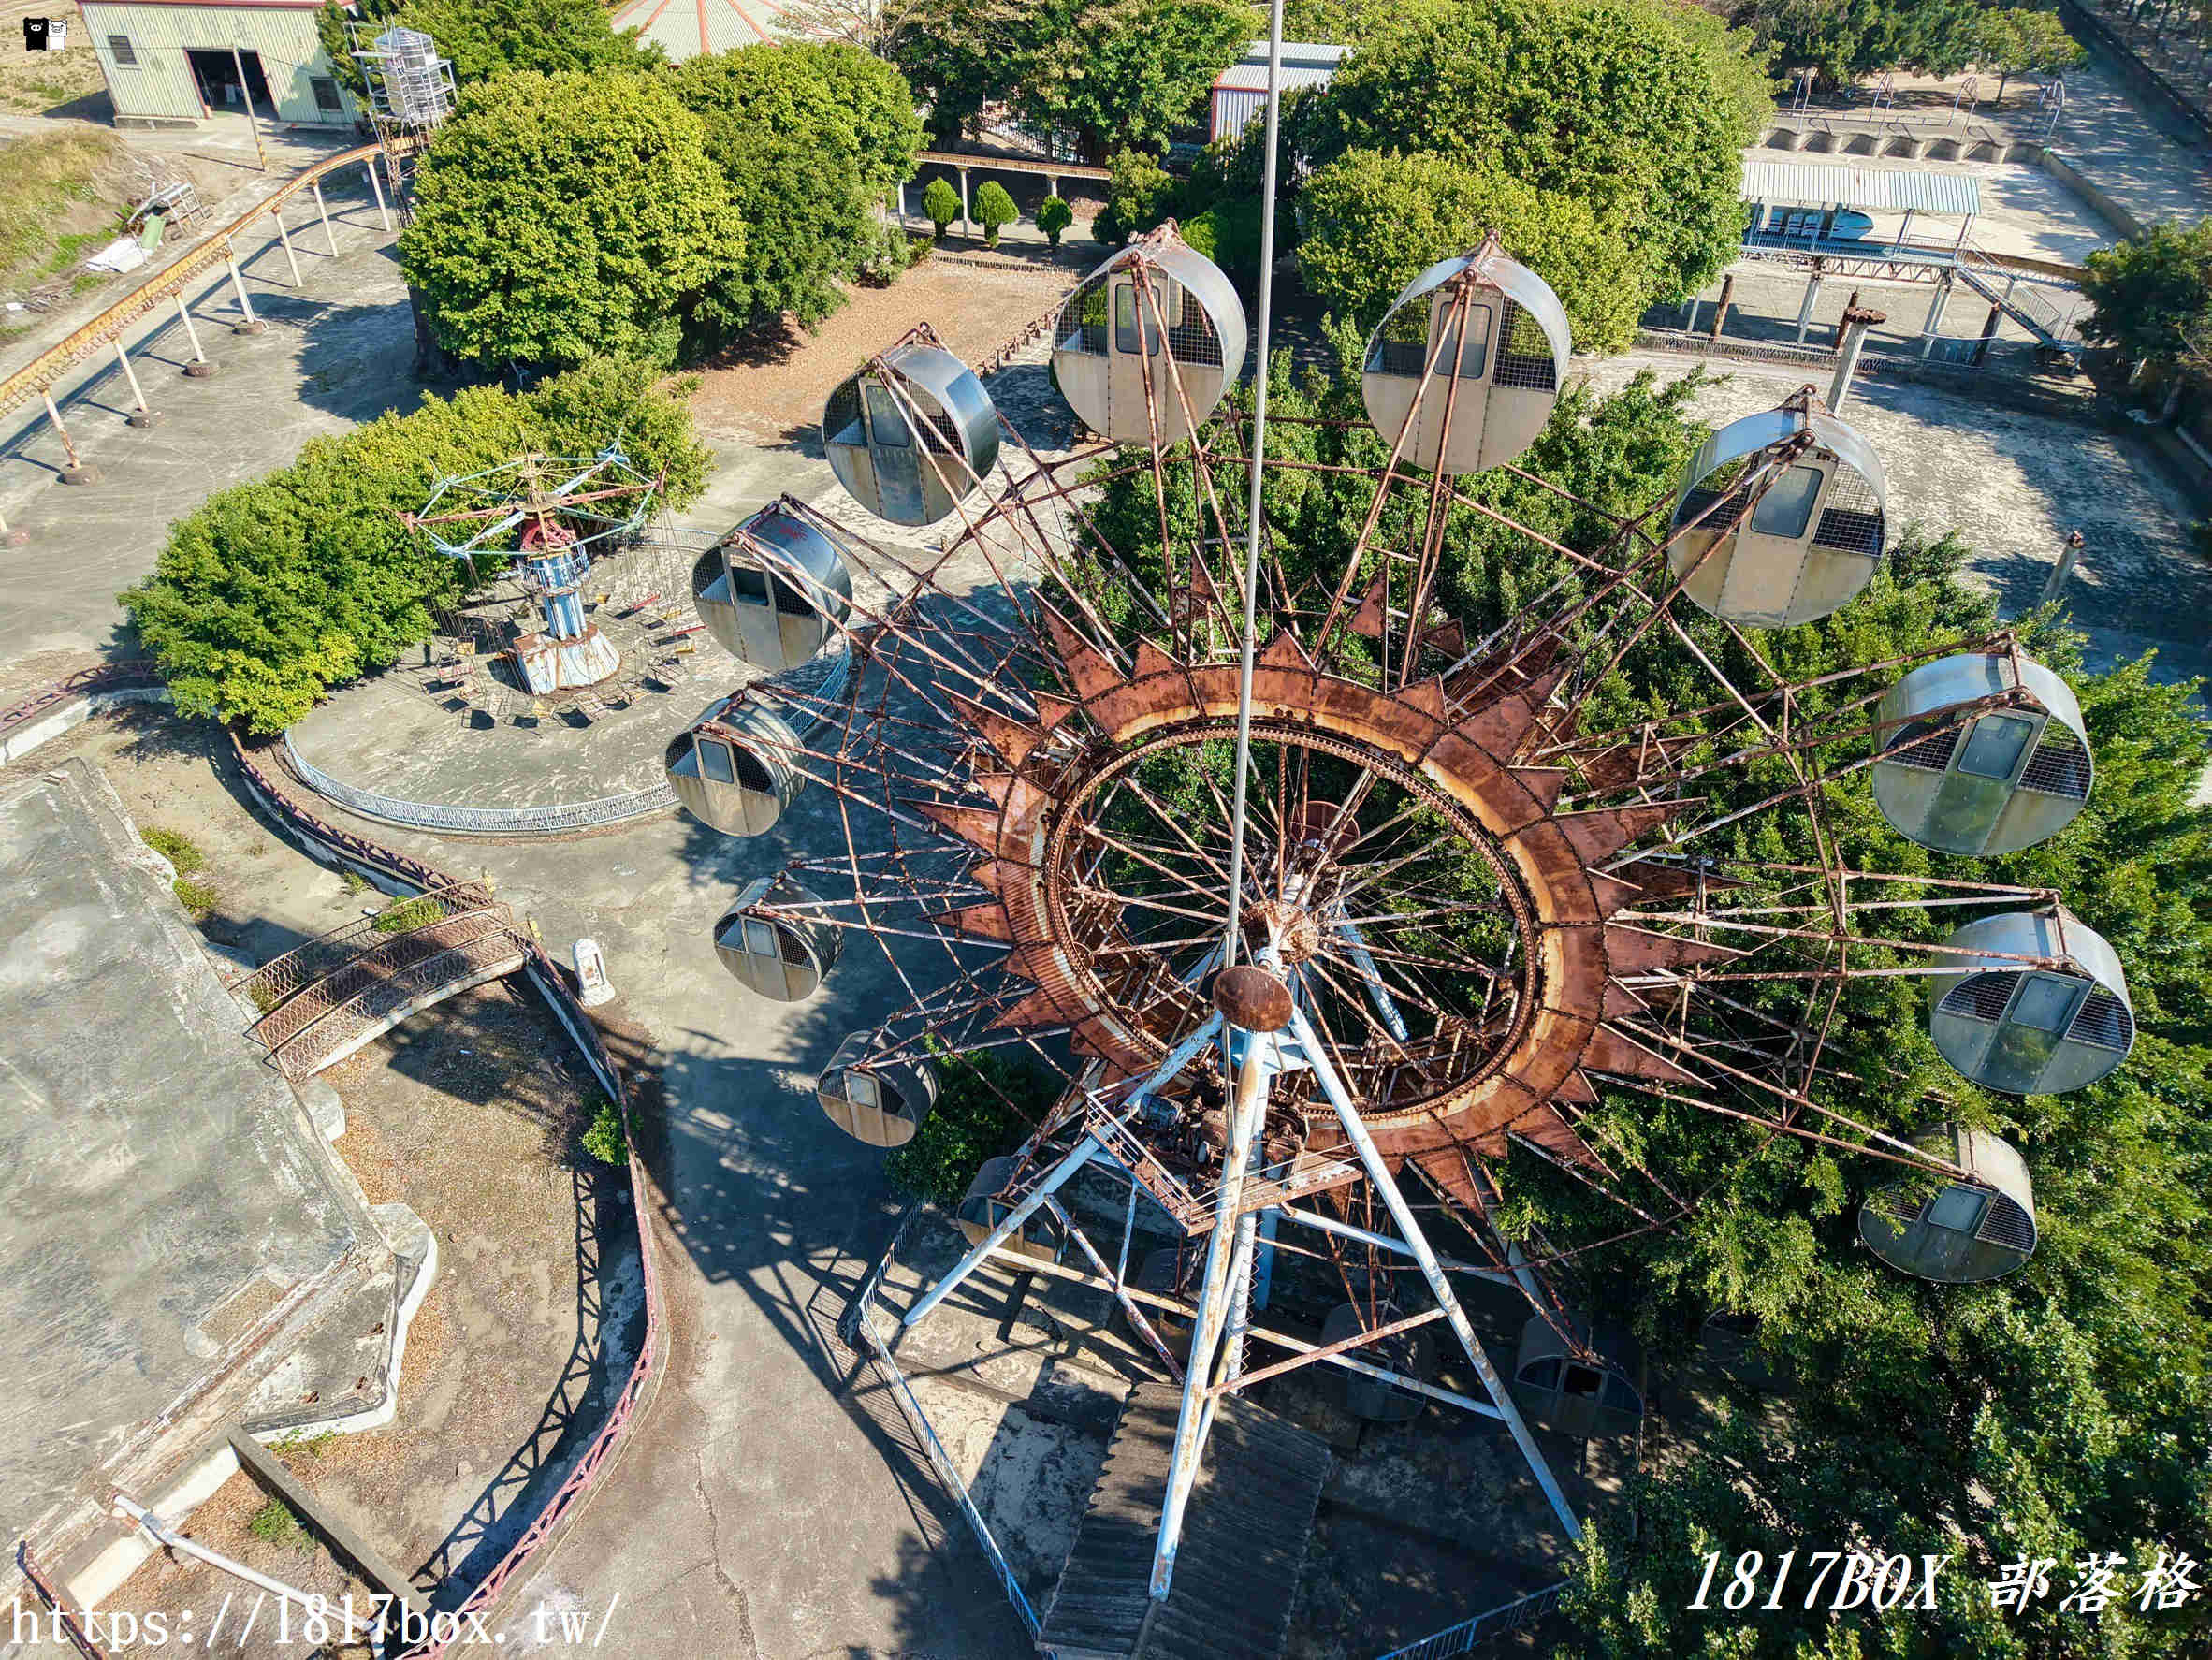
{"x":246,"y":92}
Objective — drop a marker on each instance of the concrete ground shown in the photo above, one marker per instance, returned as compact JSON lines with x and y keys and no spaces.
{"x":165,"y":1197}
{"x":2013,"y":483}
{"x":337,"y":351}
{"x":509,"y":1360}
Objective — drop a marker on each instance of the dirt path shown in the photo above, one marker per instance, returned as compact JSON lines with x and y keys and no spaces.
{"x":772,"y":392}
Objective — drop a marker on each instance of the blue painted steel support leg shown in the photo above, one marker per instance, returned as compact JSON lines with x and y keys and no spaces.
{"x":1080,"y":1156}
{"x":1347,"y":1115}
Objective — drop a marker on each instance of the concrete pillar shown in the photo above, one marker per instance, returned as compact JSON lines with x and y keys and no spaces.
{"x":200,"y":367}
{"x":1853,"y":329}
{"x":253,"y":324}
{"x":376,"y":188}
{"x":966,"y":228}
{"x":2068,"y":554}
{"x":140,"y":417}
{"x":285,"y":237}
{"x":76,"y":472}
{"x":1933,"y":326}
{"x":1811,"y":299}
{"x":322,"y":212}
{"x":1720,"y":312}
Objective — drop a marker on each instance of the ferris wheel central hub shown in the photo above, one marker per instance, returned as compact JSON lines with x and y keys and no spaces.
{"x":1294,"y":930}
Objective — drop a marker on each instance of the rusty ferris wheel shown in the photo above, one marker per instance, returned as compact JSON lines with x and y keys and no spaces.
{"x":1324,"y":905}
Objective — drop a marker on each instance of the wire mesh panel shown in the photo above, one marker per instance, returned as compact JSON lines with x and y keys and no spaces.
{"x":1850,"y":514}
{"x":1525,"y":356}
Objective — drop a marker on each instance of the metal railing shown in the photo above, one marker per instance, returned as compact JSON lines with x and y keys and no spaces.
{"x":105,"y":677}
{"x":42,"y":371}
{"x":349,"y":849}
{"x":1492,"y":1622}
{"x":477,"y":821}
{"x":336,"y":1030}
{"x":858,"y":1322}
{"x":281,"y":978}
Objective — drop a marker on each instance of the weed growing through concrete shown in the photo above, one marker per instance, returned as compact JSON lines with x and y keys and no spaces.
{"x":404,"y":915}
{"x":275,"y":1524}
{"x":176,"y":848}
{"x":197,"y":898}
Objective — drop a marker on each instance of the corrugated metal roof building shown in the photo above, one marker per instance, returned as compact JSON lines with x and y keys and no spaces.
{"x":1240,"y":92}
{"x":1801,"y":185}
{"x":172,"y":65}
{"x":695,"y":28}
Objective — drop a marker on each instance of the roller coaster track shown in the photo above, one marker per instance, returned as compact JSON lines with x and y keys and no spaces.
{"x":40,"y":375}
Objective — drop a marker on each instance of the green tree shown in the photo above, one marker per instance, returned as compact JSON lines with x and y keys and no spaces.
{"x":806,"y":137}
{"x":487,"y":37}
{"x":270,"y":593}
{"x":2024,"y":40}
{"x":1138,"y":194}
{"x":1638,"y":110}
{"x":561,"y":217}
{"x":941,"y":203}
{"x":962,"y":54}
{"x":1844,"y":39}
{"x":2152,"y":292}
{"x":1332,"y":22}
{"x":1054,"y":218}
{"x":1121,"y":73}
{"x":994,"y":208}
{"x":1373,"y":222}
{"x":985,"y":1103}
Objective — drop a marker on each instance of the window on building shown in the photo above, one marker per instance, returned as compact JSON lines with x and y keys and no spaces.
{"x":122,"y":51}
{"x":327,"y":97}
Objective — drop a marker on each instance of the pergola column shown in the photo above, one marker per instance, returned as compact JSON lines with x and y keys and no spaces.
{"x":1811,"y":299}
{"x":285,"y":237}
{"x":141,"y":416}
{"x":253,"y":324}
{"x":200,"y":367}
{"x":322,"y":212}
{"x":966,"y":228}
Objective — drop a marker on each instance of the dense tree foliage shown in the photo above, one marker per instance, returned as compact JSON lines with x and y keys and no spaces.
{"x":806,"y":139}
{"x":561,"y":217}
{"x":1843,"y":39}
{"x":1113,"y":72}
{"x":487,"y":37}
{"x":986,"y":1102}
{"x":1638,"y":110}
{"x":993,"y":209}
{"x":1373,"y":222}
{"x":1125,"y":72}
{"x":2153,"y":293}
{"x":2061,"y":1413}
{"x":270,"y":593}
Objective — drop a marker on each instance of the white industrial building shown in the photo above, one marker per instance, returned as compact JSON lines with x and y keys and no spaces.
{"x":176,"y":64}
{"x":1240,"y":90}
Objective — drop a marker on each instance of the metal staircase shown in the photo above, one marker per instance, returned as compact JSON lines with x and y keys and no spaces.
{"x":1250,"y":1515}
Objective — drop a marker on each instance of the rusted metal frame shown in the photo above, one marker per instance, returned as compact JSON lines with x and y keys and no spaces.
{"x":1765,"y":477}
{"x":1200,"y":471}
{"x":1127,"y":780}
{"x":1825,"y":936}
{"x":1046,"y":476}
{"x":2000,"y":889}
{"x":1410,"y":959}
{"x":792,"y":752}
{"x":1359,"y":1002}
{"x":1115,"y":1285}
{"x":1719,"y":915}
{"x":1797,"y":1097}
{"x":1440,"y":493}
{"x":1622,"y":523}
{"x":1375,"y":505}
{"x":509,"y":512}
{"x":1916,"y":1161}
{"x":917,"y":424}
{"x":903,"y":606}
{"x":1378,"y":1175}
{"x":1143,"y":270}
{"x":1343,"y":1345}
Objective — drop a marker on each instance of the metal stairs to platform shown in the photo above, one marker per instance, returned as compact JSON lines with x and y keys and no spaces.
{"x":1244,"y":1546}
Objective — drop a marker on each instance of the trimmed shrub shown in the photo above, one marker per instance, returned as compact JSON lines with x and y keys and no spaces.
{"x":1054,"y":218}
